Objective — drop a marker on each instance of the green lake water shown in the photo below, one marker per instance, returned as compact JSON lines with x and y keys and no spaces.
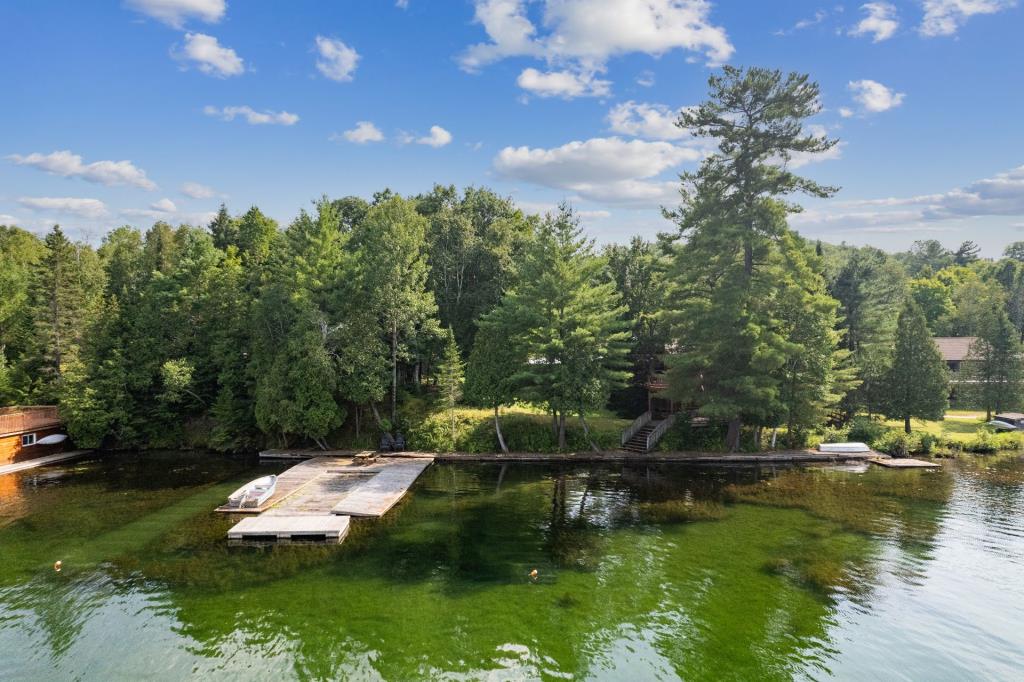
{"x":644,"y":572}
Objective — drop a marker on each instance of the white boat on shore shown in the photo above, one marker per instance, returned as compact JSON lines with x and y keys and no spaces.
{"x":843,"y":448}
{"x":253,"y":493}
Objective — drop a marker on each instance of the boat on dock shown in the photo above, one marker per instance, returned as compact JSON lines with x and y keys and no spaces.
{"x":253,"y":493}
{"x":843,"y":448}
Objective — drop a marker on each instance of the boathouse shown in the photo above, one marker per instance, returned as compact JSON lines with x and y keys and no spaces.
{"x":21,"y":429}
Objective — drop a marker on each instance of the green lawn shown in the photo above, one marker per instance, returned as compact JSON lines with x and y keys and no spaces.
{"x":959,"y":425}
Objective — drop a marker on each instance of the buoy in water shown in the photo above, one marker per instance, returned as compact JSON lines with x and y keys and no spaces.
{"x":533,"y":574}
{"x":57,"y":565}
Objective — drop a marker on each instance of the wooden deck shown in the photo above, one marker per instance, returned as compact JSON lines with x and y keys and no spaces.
{"x":905,"y":463}
{"x":316,"y":498}
{"x":42,"y":461}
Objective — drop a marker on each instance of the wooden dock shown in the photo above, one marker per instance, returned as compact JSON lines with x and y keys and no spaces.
{"x":42,"y":461}
{"x":905,"y":463}
{"x":315,"y":498}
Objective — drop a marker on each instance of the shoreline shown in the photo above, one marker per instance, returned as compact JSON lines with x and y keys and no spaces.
{"x":696,"y":458}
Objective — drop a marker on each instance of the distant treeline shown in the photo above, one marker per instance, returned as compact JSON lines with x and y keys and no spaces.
{"x":240,"y":333}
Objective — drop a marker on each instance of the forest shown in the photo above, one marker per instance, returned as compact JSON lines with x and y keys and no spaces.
{"x":245,"y":333}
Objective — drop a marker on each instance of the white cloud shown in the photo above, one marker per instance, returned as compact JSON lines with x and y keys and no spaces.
{"x":845,"y":112}
{"x":337,"y":60}
{"x":1000,"y":195}
{"x":165,"y":205}
{"x":875,"y":97}
{"x":175,"y":12}
{"x":438,"y":137}
{"x":210,"y":56}
{"x":565,"y":84}
{"x":83,"y":208}
{"x":819,"y":16}
{"x":7,"y":219}
{"x":645,"y":79}
{"x":252,"y":116}
{"x":881,"y":22}
{"x":945,"y":17}
{"x":653,"y":121}
{"x":601,"y":169}
{"x":402,"y":4}
{"x":584,"y":34}
{"x":70,"y":165}
{"x":196,"y":191}
{"x":364,"y":132}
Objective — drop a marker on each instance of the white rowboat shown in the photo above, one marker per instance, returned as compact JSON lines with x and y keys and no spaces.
{"x":843,"y":448}
{"x":253,"y":493}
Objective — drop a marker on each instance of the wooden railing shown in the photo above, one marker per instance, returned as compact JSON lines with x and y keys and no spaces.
{"x":654,"y":436}
{"x":23,"y":419}
{"x":637,"y":424}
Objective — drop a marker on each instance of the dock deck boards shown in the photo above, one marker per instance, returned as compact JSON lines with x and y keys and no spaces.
{"x":905,"y":463}
{"x":380,"y":493}
{"x":329,"y":526}
{"x":42,"y":461}
{"x":316,"y":497}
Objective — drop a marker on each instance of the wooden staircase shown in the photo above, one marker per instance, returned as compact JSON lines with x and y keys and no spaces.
{"x":638,"y":442}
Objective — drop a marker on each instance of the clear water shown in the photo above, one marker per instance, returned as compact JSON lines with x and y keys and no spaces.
{"x":658,"y":572}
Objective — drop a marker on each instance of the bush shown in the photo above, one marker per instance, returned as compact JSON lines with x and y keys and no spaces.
{"x":900,"y":444}
{"x":866,"y":430}
{"x":833,"y":434}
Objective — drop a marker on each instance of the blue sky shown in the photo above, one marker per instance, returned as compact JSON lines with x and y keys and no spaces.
{"x":133,"y":111}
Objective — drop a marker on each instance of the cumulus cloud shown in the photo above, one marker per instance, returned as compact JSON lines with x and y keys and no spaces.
{"x":83,"y":208}
{"x":565,"y":84}
{"x":438,"y":137}
{"x":880,"y":23}
{"x":7,"y":219}
{"x":174,"y":13}
{"x":653,"y":121}
{"x":945,"y":17}
{"x":364,"y":132}
{"x":999,"y":195}
{"x":337,"y":60}
{"x":252,"y":116}
{"x":875,"y":97}
{"x":210,"y":56}
{"x":602,"y":169}
{"x":70,"y":165}
{"x":580,"y":36}
{"x":194,"y":190}
{"x":645,"y":79}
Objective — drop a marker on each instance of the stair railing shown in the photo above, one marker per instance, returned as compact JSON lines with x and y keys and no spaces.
{"x":637,"y":424}
{"x":654,"y":436}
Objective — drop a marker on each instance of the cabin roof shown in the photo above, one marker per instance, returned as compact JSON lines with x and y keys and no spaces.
{"x":25,"y":419}
{"x":954,"y":348}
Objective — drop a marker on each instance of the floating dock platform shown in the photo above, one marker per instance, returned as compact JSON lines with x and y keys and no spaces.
{"x":905,"y":463}
{"x":27,"y":464}
{"x":315,"y":499}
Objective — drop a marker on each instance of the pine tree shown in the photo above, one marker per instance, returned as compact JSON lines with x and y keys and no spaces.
{"x":224,"y":229}
{"x":732,"y":219}
{"x":567,"y":318}
{"x":917,"y":381}
{"x":993,"y":372}
{"x":450,"y":377}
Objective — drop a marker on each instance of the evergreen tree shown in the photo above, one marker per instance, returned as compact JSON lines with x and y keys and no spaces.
{"x":392,"y":270}
{"x":732,"y":219}
{"x":67,"y":286}
{"x":224,"y":229}
{"x":917,"y":381}
{"x":450,"y":377}
{"x":966,"y":253}
{"x":993,"y":372}
{"x":1014,"y":251}
{"x":491,"y":370}
{"x":567,"y":319}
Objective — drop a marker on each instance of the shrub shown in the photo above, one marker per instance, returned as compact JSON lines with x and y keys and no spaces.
{"x":833,"y":434}
{"x":866,"y":430}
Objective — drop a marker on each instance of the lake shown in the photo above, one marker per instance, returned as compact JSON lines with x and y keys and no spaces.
{"x":643,"y":572}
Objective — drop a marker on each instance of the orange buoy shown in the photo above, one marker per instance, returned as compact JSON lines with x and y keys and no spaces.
{"x":533,"y":574}
{"x":57,"y":565}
